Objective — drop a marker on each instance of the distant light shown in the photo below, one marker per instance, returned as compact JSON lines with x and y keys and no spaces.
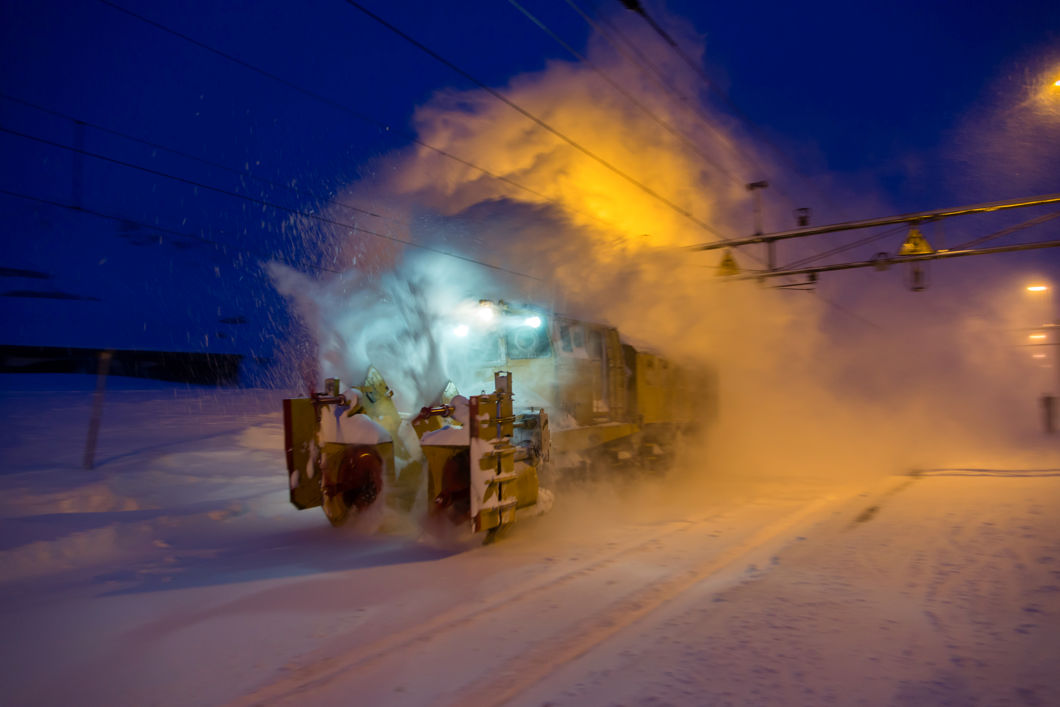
{"x":1037,"y":288}
{"x":1039,"y":355}
{"x":1037,"y":336}
{"x":532,"y":322}
{"x":461,"y":330}
{"x":1057,"y":82}
{"x":485,"y":310}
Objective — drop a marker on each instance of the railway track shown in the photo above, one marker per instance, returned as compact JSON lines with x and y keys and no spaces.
{"x":516,"y":639}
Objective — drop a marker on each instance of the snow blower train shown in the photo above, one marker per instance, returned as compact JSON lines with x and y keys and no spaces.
{"x":586,"y":398}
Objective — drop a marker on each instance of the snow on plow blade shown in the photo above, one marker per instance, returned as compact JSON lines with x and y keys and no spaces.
{"x":343,"y":448}
{"x":345,"y":451}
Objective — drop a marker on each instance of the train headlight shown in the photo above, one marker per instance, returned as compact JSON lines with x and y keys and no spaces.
{"x":461,"y":330}
{"x":532,"y":322}
{"x":486,"y":311}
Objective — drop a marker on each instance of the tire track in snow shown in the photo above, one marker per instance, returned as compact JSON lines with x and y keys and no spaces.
{"x":318,"y":672}
{"x":531,"y":667}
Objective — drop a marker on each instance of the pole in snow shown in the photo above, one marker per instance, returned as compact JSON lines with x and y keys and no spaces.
{"x":97,"y":409}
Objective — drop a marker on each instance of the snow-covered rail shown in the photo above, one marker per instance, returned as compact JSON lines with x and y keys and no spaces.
{"x":621,"y":586}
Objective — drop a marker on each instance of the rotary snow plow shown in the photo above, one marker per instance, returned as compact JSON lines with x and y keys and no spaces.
{"x":348,"y":450}
{"x":587,"y":400}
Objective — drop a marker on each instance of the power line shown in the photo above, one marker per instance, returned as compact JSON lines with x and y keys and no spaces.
{"x":382,"y":125}
{"x":637,"y":103}
{"x":195,"y":158}
{"x":641,"y":61}
{"x":635,"y":56}
{"x":711,"y":86}
{"x":1010,"y":230}
{"x":535,"y":119}
{"x":262,"y":202}
{"x":636,"y":7}
{"x":160,"y":229}
{"x":843,"y":248}
{"x":626,"y":94}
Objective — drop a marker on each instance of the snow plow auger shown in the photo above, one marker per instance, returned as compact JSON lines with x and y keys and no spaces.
{"x":610,"y":406}
{"x":349,"y":450}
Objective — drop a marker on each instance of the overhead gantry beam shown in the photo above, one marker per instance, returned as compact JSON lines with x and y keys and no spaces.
{"x":882,"y":263}
{"x":919,"y":217}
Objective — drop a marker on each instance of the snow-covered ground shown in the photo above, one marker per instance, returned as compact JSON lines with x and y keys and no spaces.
{"x":176,"y":573}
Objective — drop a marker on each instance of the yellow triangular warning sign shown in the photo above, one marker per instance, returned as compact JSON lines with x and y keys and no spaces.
{"x":915,"y":244}
{"x":728,"y":265}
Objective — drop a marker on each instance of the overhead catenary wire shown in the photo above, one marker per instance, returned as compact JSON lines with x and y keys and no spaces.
{"x":627,"y":95}
{"x":1008,"y":231}
{"x":195,"y":158}
{"x":537,"y":120}
{"x":265,"y":203}
{"x":645,"y":64}
{"x":636,"y":57}
{"x":382,"y":125}
{"x":713,"y":88}
{"x":165,"y":232}
{"x":636,"y":7}
{"x":843,"y":248}
{"x":338,"y":105}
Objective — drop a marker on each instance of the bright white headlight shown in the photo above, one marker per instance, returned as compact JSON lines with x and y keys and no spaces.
{"x":532,"y":322}
{"x":460,"y":330}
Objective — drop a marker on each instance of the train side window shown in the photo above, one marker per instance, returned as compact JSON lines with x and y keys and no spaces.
{"x":564,"y":338}
{"x":596,"y":345}
{"x":571,"y":341}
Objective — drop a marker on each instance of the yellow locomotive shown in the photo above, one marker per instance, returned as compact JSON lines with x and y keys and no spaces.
{"x":583,"y":395}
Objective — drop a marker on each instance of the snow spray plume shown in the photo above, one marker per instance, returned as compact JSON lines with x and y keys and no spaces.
{"x":402,"y":321}
{"x":806,"y":389}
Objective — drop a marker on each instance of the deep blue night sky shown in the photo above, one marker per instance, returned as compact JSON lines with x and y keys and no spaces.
{"x":874,"y":94}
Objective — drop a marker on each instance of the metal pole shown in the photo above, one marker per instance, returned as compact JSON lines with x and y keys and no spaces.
{"x":97,"y":409}
{"x":756,"y":203}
